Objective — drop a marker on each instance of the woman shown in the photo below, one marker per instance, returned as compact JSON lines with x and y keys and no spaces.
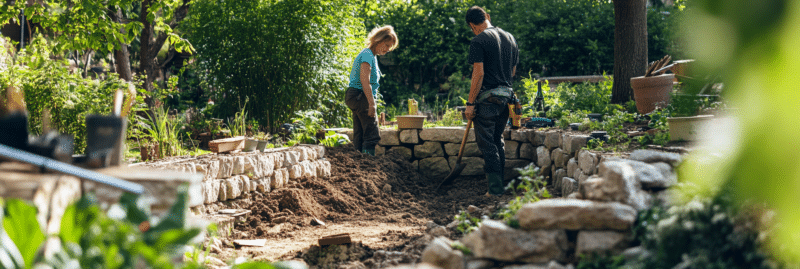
{"x":364,"y":77}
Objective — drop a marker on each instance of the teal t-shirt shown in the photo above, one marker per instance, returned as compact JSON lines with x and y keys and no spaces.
{"x":374,"y":75}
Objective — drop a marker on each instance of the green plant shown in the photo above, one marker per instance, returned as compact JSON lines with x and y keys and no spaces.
{"x":451,"y":117}
{"x":597,"y":261}
{"x":332,"y":139}
{"x":466,"y":222}
{"x":461,"y":247}
{"x":238,"y":124}
{"x":309,"y":123}
{"x":159,"y":128}
{"x":531,"y":187}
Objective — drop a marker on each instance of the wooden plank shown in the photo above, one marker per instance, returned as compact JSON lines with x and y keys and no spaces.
{"x":337,"y":239}
{"x":250,"y":243}
{"x":226,"y":144}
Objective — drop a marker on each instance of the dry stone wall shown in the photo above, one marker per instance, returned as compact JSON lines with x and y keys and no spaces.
{"x":230,"y":176}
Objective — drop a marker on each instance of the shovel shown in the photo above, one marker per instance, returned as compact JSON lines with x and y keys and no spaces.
{"x":459,"y":166}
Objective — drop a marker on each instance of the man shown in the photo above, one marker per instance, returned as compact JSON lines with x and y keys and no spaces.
{"x":494,"y":55}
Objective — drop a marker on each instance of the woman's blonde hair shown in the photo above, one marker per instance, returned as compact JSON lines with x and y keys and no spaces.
{"x":380,"y":34}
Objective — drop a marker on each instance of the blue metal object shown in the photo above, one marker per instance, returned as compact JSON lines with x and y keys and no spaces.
{"x":50,"y":164}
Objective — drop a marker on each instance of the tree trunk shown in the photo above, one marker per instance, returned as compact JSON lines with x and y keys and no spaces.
{"x":122,"y":63}
{"x":151,"y":44}
{"x":630,"y":47}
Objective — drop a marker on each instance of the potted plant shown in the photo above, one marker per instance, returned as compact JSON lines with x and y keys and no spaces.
{"x":263,"y":140}
{"x":653,"y":89}
{"x":684,"y":120}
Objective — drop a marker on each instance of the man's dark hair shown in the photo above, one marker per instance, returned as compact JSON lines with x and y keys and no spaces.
{"x":476,"y":15}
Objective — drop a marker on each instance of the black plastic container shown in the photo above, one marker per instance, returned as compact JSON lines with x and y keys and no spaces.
{"x":15,"y":131}
{"x":595,"y":116}
{"x":104,"y":139}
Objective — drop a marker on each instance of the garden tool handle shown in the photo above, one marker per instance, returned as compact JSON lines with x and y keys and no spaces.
{"x":464,"y":141}
{"x":118,"y":103}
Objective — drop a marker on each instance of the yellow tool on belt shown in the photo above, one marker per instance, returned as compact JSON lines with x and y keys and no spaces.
{"x":514,"y":112}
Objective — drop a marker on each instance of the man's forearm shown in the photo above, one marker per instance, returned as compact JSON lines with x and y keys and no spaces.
{"x":475,"y":87}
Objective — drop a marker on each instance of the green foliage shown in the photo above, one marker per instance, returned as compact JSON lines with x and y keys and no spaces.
{"x":703,"y":233}
{"x":600,"y":262}
{"x":590,"y":97}
{"x":238,"y":125}
{"x":461,"y":247}
{"x":286,"y":55}
{"x":309,"y":123}
{"x":332,"y":139}
{"x":531,"y":187}
{"x":159,"y":128}
{"x":466,"y":222}
{"x":49,"y":85}
{"x":451,"y":117}
{"x":21,"y":226}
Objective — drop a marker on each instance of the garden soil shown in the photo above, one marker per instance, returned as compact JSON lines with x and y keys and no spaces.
{"x":382,"y":202}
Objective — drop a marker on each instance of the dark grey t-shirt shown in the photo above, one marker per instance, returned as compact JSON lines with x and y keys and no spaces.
{"x":497,"y":50}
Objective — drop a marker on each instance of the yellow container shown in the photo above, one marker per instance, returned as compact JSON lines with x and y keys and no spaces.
{"x":412,"y":107}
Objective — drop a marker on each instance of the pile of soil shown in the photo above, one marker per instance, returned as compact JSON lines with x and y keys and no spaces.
{"x":384,"y":188}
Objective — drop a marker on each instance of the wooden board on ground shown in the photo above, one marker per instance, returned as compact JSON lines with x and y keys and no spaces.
{"x":226,"y":144}
{"x":250,"y":243}
{"x":338,"y":239}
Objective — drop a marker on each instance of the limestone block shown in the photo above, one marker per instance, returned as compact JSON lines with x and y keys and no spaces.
{"x":568,"y":186}
{"x":536,"y":138}
{"x":238,"y":165}
{"x":389,"y":137}
{"x":212,"y":170}
{"x":223,"y":190}
{"x":617,"y":182}
{"x":590,"y":242}
{"x":323,"y":168}
{"x":320,"y":151}
{"x":302,"y":152}
{"x":495,"y":240}
{"x":652,"y":156}
{"x":435,"y":167}
{"x":309,"y":169}
{"x":470,"y":149}
{"x":573,"y":143}
{"x":403,"y":151}
{"x":587,"y":161}
{"x":543,"y":156}
{"x":253,"y":167}
{"x":410,"y":136}
{"x":649,"y":176}
{"x":380,"y":151}
{"x":574,"y":214}
{"x":572,"y":164}
{"x":552,"y":139}
{"x":559,"y":158}
{"x":245,"y":183}
{"x":279,"y":178}
{"x":267,"y":163}
{"x":234,"y":187}
{"x":441,"y":254}
{"x":527,"y":151}
{"x":558,"y":174}
{"x":295,"y":171}
{"x":225,"y":167}
{"x":670,"y":179}
{"x":512,"y":149}
{"x":428,"y":149}
{"x":264,"y":185}
{"x":279,"y":159}
{"x":474,"y":165}
{"x":210,"y":191}
{"x":580,"y":176}
{"x":520,"y":135}
{"x":446,"y":134}
{"x":290,"y":157}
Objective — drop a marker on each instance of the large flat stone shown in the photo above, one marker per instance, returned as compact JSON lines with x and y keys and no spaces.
{"x":536,"y":138}
{"x":446,"y":134}
{"x":527,"y":151}
{"x":511,"y":149}
{"x":428,"y":149}
{"x":558,"y":174}
{"x":389,"y":137}
{"x":403,"y":151}
{"x":409,"y":136}
{"x":474,"y":165}
{"x":441,"y":254}
{"x":652,"y":156}
{"x":572,"y":164}
{"x":225,"y":167}
{"x":572,"y":143}
{"x":601,"y":242}
{"x":520,"y":135}
{"x":552,"y":139}
{"x":470,"y":149}
{"x":543,"y":156}
{"x":435,"y":167}
{"x":617,"y":182}
{"x":568,"y":186}
{"x":559,"y":157}
{"x":495,"y":240}
{"x":574,"y":214}
{"x":587,"y":161}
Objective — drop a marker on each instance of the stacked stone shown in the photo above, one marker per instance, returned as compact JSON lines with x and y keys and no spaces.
{"x":597,"y":219}
{"x":227,"y":177}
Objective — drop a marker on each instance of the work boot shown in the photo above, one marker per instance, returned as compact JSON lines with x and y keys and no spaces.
{"x":371,"y":152}
{"x":495,"y":183}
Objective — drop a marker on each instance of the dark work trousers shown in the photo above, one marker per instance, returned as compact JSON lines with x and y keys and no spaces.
{"x":365,"y":128}
{"x":490,"y":121}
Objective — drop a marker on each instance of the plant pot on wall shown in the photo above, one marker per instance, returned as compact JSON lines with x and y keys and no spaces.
{"x":250,"y":145}
{"x":685,"y":128}
{"x":648,"y":92}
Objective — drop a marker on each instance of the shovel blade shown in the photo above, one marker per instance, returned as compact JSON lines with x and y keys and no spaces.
{"x":453,"y":174}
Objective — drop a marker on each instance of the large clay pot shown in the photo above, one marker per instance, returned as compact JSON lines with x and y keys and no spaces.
{"x":649,"y":92}
{"x":685,"y":128}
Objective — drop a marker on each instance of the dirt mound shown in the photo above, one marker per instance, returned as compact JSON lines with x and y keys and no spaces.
{"x":385,"y":188}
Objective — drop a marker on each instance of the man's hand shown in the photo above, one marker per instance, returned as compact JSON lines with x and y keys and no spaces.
{"x":371,"y":111}
{"x":470,"y":112}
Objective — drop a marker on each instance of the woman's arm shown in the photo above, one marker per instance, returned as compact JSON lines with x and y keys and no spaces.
{"x":364,"y":76}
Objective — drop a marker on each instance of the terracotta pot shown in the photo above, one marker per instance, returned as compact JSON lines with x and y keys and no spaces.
{"x":685,"y":128}
{"x":648,"y":92}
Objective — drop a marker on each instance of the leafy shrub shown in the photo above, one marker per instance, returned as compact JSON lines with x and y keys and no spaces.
{"x":286,"y":56}
{"x":703,"y":233}
{"x":161,"y":129}
{"x":49,"y":85}
{"x":332,"y":139}
{"x":600,"y":262}
{"x":466,"y":222}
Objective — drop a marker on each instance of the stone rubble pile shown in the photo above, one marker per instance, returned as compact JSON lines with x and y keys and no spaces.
{"x":597,"y":218}
{"x":230,"y":176}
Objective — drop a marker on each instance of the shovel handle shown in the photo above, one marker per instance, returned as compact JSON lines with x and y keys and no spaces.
{"x":118,"y":103}
{"x":464,"y":141}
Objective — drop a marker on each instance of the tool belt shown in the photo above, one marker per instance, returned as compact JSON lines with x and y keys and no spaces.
{"x":501,"y":95}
